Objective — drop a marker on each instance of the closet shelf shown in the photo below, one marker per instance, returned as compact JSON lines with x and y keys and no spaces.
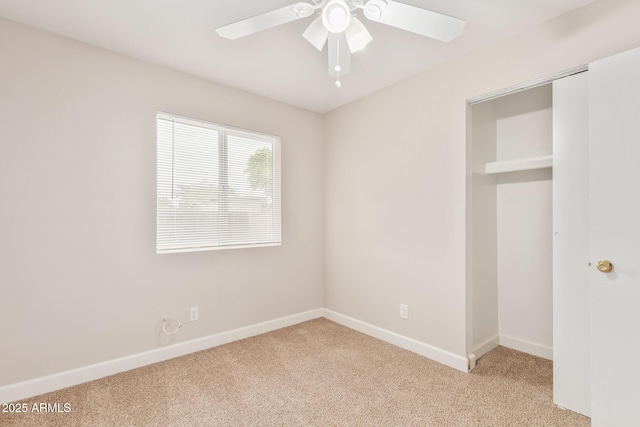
{"x":530,"y":163}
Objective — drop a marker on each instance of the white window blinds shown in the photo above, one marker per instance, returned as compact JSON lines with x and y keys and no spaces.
{"x":218,"y":187}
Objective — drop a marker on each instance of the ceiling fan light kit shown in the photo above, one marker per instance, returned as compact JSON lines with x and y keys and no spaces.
{"x":316,"y":34}
{"x":346,"y":34}
{"x":357,"y":35}
{"x":336,"y":16}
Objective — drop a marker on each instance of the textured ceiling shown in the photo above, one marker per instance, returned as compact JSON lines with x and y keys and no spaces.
{"x":276,"y":63}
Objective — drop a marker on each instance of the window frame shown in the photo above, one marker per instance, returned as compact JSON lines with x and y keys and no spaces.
{"x":224,"y":132}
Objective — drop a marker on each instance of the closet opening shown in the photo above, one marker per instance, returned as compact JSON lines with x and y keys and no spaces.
{"x":511,"y":222}
{"x":528,"y":229}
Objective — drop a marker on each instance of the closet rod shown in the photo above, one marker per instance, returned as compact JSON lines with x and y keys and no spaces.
{"x":524,"y":86}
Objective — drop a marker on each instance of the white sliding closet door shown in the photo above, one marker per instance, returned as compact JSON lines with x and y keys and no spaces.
{"x":614,"y":194}
{"x":571,"y":300}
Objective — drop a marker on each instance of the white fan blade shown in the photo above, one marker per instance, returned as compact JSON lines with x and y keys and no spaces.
{"x":339,"y":55}
{"x":417,"y":20}
{"x":266,"y":20}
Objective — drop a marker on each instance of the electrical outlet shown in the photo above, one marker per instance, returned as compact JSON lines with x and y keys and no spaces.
{"x":404,"y":311}
{"x":193,"y":314}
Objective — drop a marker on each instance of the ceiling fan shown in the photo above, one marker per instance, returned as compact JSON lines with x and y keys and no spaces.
{"x":344,"y":32}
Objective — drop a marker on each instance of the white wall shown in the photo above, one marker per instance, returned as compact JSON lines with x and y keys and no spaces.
{"x":484,"y":229}
{"x":80,"y":280}
{"x":397,"y":176}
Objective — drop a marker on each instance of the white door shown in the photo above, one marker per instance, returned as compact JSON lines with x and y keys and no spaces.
{"x":571,"y":299}
{"x":614,"y":216}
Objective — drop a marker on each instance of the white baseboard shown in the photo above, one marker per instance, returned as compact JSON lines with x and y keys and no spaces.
{"x":484,"y":348}
{"x":434,"y":353}
{"x":35,"y":387}
{"x":527,"y":347}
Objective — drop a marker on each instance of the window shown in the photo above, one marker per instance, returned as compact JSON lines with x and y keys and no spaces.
{"x":218,"y":187}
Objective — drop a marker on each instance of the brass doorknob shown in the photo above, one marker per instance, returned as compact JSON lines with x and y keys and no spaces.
{"x":604,"y":266}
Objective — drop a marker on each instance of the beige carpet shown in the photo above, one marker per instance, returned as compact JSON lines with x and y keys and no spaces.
{"x":317,"y":373}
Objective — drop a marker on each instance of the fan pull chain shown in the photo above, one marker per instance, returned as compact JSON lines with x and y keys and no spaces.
{"x":338,"y":68}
